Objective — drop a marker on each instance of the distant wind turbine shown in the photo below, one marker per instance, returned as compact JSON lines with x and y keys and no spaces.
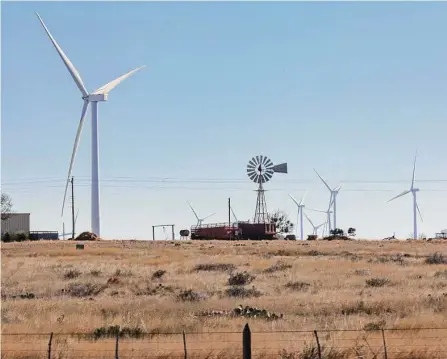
{"x":99,"y":95}
{"x":199,"y":220}
{"x":413,"y":190}
{"x":332,"y":200}
{"x":328,"y":217}
{"x":300,"y":206}
{"x":315,"y":228}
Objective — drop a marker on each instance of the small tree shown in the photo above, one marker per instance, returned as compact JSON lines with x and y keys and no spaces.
{"x":351,"y":232}
{"x":281,"y":221}
{"x":337,"y":232}
{"x":6,"y":204}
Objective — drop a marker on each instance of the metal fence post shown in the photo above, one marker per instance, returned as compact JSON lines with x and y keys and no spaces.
{"x":246,"y":342}
{"x":385,"y":353}
{"x":184,"y":345}
{"x":318,"y":344}
{"x":49,"y":345}
{"x":117,"y":345}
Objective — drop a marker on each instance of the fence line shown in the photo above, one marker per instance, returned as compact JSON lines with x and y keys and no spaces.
{"x":421,"y":343}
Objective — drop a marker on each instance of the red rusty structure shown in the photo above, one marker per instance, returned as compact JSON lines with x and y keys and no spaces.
{"x":234,"y":231}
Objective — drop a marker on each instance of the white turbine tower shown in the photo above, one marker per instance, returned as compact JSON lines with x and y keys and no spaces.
{"x":300,"y":206}
{"x":332,"y":199}
{"x":101,"y":94}
{"x":413,"y":190}
{"x":315,"y":228}
{"x":199,"y":220}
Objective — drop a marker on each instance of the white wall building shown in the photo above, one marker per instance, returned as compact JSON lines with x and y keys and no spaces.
{"x":16,"y":222}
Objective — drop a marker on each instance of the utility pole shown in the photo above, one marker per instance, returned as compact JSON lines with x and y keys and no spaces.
{"x":229,"y":215}
{"x":72,"y":209}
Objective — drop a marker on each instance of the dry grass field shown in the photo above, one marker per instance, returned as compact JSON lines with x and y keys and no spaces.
{"x":167,"y":287}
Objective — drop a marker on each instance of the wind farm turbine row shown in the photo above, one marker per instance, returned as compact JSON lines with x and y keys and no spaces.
{"x":331,"y":223}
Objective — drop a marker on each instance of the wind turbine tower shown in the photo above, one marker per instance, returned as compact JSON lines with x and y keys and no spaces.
{"x":332,"y":200}
{"x":412,"y":190}
{"x":300,"y":206}
{"x":99,"y":95}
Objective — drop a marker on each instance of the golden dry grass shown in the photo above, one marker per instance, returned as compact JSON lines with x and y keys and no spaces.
{"x":322,"y":285}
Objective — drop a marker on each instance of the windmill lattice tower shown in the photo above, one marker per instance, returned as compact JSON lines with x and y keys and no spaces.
{"x":260,"y":170}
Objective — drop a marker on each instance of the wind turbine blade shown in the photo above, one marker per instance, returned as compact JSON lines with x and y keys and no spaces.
{"x":302,"y":199}
{"x":414,"y":170}
{"x":112,"y":84}
{"x":194,"y":211}
{"x":76,"y":218}
{"x":316,"y":210}
{"x":399,"y":195}
{"x":309,"y":220}
{"x":75,"y":148}
{"x":233,"y":214}
{"x":329,"y":188}
{"x":70,"y":67}
{"x":208,"y":216}
{"x":293,"y":199}
{"x":420,"y":215}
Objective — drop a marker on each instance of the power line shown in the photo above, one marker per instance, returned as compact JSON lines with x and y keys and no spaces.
{"x":206,"y":180}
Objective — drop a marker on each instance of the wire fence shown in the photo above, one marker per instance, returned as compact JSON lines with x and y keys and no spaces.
{"x":419,"y":343}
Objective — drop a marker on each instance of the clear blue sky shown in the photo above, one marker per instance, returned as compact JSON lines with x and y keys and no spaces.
{"x":351,"y":89}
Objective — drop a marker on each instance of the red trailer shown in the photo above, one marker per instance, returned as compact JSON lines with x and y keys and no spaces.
{"x":214,"y":231}
{"x":239,"y":230}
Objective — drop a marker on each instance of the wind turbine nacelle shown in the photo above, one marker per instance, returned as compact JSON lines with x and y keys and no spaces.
{"x":97,"y":98}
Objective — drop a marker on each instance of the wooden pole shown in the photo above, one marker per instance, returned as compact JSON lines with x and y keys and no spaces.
{"x":49,"y":345}
{"x":385,"y":353}
{"x":318,"y":344}
{"x":246,"y":342}
{"x":184,"y":345}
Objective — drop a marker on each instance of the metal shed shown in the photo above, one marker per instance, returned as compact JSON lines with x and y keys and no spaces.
{"x":16,"y":222}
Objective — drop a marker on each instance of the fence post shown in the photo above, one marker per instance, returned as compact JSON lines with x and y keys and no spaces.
{"x":246,"y":342}
{"x":117,"y":340}
{"x":318,"y":344}
{"x":184,"y":345}
{"x":385,"y":353}
{"x":49,"y":345}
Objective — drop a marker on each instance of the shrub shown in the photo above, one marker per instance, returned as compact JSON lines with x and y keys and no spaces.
{"x":95,"y":272}
{"x":240,"y":278}
{"x":279,"y":266}
{"x":158,"y":274}
{"x":218,"y":267}
{"x":83,"y":289}
{"x":242,"y":292}
{"x":114,"y":330}
{"x":299,"y":286}
{"x":72,"y":274}
{"x":377,"y":282}
{"x":441,"y":274}
{"x":189,"y":296}
{"x":436,"y":258}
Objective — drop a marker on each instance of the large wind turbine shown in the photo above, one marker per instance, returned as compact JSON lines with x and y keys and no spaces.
{"x":315,"y":228}
{"x":300,"y":206}
{"x":332,"y":200}
{"x":413,"y":190}
{"x":199,"y":220}
{"x":100,"y":94}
